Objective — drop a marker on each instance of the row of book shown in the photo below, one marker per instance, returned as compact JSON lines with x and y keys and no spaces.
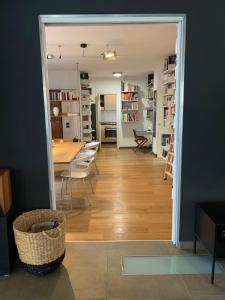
{"x":129,"y":96}
{"x":63,"y":95}
{"x":130,"y":117}
{"x":129,"y":105}
{"x":128,"y":87}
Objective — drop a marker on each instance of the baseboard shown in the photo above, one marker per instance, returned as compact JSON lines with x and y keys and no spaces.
{"x":130,"y":147}
{"x":189,"y":245}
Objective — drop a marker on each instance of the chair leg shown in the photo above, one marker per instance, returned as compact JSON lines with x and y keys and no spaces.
{"x":66,"y":186}
{"x":96,"y":168}
{"x":62,"y":189}
{"x":89,"y":180}
{"x":71,"y":195}
{"x":86,"y":192}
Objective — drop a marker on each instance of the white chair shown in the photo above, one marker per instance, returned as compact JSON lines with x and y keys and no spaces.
{"x":92,"y":145}
{"x":79,"y":170}
{"x":89,"y":148}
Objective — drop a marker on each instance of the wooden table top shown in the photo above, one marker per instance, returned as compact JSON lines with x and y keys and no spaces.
{"x":64,"y":153}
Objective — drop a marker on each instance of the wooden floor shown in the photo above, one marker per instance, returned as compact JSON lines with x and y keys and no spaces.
{"x":131,"y":200}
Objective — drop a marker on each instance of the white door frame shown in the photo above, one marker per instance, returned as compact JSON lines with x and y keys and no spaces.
{"x":180,"y":20}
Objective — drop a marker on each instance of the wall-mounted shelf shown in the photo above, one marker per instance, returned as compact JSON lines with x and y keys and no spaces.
{"x":169,"y":86}
{"x":129,"y":103}
{"x":134,"y":92}
{"x":66,"y":115}
{"x":74,"y":100}
{"x":129,"y":100}
{"x":66,"y":123}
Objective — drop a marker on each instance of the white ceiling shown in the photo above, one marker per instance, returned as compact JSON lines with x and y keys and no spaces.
{"x":139,"y":47}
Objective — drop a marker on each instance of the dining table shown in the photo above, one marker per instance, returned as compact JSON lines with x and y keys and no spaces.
{"x":64,"y":152}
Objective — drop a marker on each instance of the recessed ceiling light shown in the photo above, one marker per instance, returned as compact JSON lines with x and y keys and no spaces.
{"x":50,"y":56}
{"x":117,"y":74}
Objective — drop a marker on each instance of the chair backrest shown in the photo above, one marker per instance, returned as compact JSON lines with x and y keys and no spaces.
{"x":135,"y":133}
{"x":88,"y":154}
{"x":92,"y":145}
{"x":74,"y":165}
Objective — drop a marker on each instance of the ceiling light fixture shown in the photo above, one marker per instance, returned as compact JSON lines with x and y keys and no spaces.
{"x":117,"y":74}
{"x":60,"y":54}
{"x":109,"y":54}
{"x":50,"y":56}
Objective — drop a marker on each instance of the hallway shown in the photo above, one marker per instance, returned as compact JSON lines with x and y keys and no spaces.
{"x":131,"y":200}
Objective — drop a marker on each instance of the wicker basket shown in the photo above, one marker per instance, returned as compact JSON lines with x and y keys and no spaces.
{"x":40,"y":252}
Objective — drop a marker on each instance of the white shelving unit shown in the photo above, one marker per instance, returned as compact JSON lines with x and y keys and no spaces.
{"x":86,"y":108}
{"x":169,"y":89}
{"x":129,"y":103}
{"x":68,"y":119}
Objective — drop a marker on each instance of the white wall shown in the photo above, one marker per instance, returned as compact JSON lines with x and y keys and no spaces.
{"x":113,"y":86}
{"x":108,"y":116}
{"x":63,"y":79}
{"x":67,"y":79}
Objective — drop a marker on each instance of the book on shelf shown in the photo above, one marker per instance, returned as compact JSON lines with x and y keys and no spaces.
{"x":129,"y":105}
{"x":63,"y":95}
{"x":130,"y":117}
{"x":128,"y":96}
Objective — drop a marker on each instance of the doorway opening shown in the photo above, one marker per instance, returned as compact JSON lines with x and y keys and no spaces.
{"x":128,"y":186}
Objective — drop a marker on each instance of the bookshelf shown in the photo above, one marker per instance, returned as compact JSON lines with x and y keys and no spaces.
{"x":129,"y":102}
{"x":65,"y":123}
{"x":169,"y":89}
{"x":86,"y":107}
{"x":150,"y":98}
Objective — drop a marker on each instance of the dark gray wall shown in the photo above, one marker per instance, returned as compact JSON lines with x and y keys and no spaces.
{"x":23,"y":146}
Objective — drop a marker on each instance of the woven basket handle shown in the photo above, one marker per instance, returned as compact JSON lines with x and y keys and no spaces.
{"x":50,"y":237}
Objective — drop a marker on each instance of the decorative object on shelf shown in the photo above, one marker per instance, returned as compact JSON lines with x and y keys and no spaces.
{"x":55,"y":111}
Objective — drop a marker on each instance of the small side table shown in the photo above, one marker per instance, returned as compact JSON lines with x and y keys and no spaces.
{"x":210,"y":230}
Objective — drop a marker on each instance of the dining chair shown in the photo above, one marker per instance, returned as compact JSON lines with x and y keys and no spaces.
{"x":92,"y":147}
{"x":79,"y":169}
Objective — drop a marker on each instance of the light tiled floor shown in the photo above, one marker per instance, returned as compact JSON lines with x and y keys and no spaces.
{"x":92,"y":270}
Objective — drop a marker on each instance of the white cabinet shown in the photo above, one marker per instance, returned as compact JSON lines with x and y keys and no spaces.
{"x":110,"y":102}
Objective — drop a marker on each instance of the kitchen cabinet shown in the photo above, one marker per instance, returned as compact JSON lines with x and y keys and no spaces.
{"x":110,"y":102}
